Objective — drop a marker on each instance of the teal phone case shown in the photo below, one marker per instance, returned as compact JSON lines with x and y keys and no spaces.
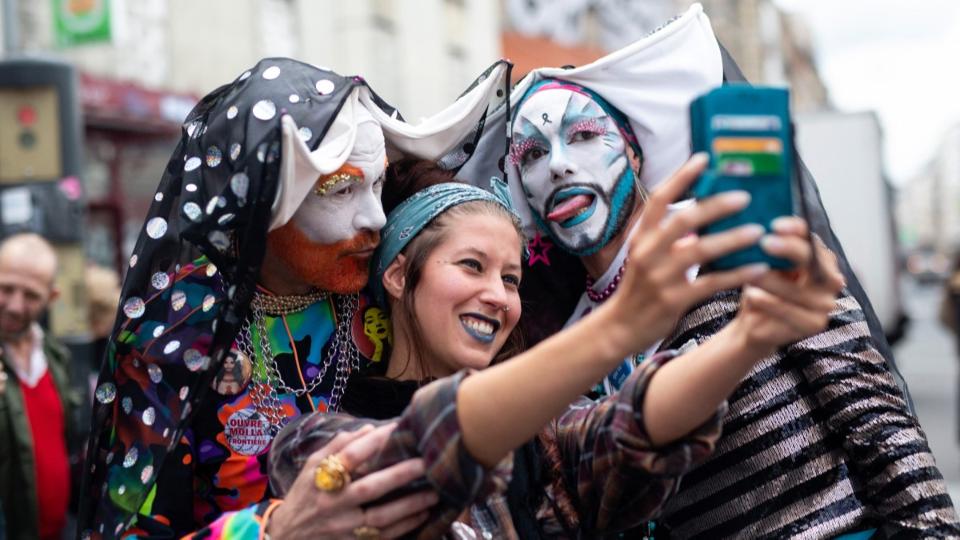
{"x":748,"y":134}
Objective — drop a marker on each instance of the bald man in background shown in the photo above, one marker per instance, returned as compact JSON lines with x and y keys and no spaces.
{"x":38,"y":403}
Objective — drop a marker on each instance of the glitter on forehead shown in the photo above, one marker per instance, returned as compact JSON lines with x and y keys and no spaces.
{"x":345,"y":173}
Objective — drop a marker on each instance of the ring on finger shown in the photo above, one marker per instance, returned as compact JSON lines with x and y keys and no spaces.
{"x":366,"y":532}
{"x":331,"y":475}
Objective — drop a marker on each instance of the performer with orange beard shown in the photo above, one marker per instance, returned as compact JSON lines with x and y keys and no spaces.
{"x":276,"y":185}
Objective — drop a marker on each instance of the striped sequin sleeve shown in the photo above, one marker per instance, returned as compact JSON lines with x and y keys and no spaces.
{"x":865,"y":409}
{"x":617,"y":477}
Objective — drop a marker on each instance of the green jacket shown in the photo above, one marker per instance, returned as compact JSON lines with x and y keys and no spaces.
{"x":17,"y":490}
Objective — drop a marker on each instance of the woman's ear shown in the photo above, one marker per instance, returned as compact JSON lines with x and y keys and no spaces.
{"x":394,"y":279}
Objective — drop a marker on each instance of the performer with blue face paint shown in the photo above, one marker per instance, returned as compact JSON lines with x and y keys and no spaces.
{"x":819,"y":440}
{"x":573,"y":147}
{"x":576,"y":159}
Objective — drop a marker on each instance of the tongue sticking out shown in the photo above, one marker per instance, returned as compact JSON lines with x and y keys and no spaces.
{"x":570,"y":207}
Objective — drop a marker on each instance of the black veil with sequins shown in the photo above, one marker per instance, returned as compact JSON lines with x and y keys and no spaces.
{"x":195,"y":264}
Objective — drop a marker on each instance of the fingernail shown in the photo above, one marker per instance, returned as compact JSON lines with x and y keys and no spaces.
{"x":784,"y":224}
{"x":757,"y":269}
{"x":771,"y":242}
{"x":700,"y":158}
{"x":736,"y":198}
{"x":752,"y":231}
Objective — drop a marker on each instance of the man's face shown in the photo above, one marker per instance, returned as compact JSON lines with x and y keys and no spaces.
{"x":573,"y":168}
{"x":25,"y":291}
{"x":330,"y":238}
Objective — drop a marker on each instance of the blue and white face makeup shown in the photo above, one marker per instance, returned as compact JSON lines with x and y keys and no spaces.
{"x":573,"y":168}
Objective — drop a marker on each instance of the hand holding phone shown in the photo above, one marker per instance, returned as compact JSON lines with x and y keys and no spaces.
{"x":746,"y":131}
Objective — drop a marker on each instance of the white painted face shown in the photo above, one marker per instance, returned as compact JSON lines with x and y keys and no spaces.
{"x":572,"y":163}
{"x":349,"y":202}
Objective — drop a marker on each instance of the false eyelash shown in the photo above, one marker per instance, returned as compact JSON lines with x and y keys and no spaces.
{"x":591,"y":125}
{"x":517,"y":150}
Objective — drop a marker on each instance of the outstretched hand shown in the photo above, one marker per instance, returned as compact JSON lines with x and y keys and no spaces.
{"x":655,"y":290}
{"x":309,"y":513}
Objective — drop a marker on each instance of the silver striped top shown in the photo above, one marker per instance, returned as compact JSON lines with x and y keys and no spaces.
{"x":817,"y":441}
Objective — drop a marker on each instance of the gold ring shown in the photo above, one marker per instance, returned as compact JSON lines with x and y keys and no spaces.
{"x":366,"y":533}
{"x":331,"y":475}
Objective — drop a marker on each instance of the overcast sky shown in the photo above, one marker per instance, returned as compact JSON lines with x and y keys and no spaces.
{"x":900,"y":58}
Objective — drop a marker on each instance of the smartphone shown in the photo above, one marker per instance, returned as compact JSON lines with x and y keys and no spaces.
{"x":747,"y":132}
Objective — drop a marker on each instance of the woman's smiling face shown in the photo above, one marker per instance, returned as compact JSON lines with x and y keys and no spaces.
{"x":468,"y":301}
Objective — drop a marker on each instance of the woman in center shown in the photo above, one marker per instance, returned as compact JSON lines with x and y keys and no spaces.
{"x":448,"y":271}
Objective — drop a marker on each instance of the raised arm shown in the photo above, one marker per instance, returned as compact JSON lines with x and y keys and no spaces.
{"x":536,"y":386}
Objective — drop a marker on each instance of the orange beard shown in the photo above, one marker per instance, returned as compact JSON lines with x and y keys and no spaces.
{"x":329,"y":267}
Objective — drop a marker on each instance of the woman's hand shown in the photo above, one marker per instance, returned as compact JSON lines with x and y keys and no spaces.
{"x":783,"y":307}
{"x":309,"y":513}
{"x":655,"y":290}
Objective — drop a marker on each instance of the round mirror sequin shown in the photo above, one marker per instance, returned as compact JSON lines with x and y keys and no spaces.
{"x":271,"y":73}
{"x":324,"y":86}
{"x":234,"y":151}
{"x":126,"y":404}
{"x":232,"y":112}
{"x":158,"y":197}
{"x":158,"y":330}
{"x":294,"y":98}
{"x":190,"y":188}
{"x":305,"y":133}
{"x":171,"y":346}
{"x":264,"y":110}
{"x":214,"y":156}
{"x":214,"y":203}
{"x":131,"y":457}
{"x":191,"y":164}
{"x":184,"y":389}
{"x":155,"y":373}
{"x":133,"y":260}
{"x":193,"y":360}
{"x":239,"y":184}
{"x":178,"y":299}
{"x":156,"y":228}
{"x":219,"y":239}
{"x":192,"y":211}
{"x":226,"y":218}
{"x":106,"y":393}
{"x":134,"y":307}
{"x":160,"y":281}
{"x":244,"y":76}
{"x":146,"y":474}
{"x":149,"y":416}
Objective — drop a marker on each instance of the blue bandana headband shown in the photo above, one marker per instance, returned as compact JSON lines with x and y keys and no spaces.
{"x":414,"y":214}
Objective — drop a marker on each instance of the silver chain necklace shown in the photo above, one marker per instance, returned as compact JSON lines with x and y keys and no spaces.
{"x":268,"y":383}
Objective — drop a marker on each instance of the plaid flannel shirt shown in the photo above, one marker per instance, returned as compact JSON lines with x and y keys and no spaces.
{"x":613,"y":474}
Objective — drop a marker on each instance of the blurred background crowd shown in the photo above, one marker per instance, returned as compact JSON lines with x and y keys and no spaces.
{"x":93,"y":92}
